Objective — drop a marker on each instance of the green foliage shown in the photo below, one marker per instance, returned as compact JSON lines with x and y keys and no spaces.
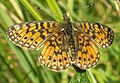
{"x":21,"y":65}
{"x":80,"y":78}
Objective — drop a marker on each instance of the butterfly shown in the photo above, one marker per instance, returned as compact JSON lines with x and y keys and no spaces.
{"x":63,"y":44}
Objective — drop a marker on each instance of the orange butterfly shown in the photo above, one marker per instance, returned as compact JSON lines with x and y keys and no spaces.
{"x":63,"y":43}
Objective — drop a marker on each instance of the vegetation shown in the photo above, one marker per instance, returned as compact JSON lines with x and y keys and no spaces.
{"x":19,"y":65}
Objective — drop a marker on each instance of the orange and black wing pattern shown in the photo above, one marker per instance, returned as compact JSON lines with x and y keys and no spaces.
{"x":63,"y":44}
{"x":86,"y":52}
{"x":54,"y":53}
{"x":101,"y":34}
{"x":32,"y":34}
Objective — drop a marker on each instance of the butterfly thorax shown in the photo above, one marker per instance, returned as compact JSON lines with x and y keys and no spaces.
{"x":69,"y":33}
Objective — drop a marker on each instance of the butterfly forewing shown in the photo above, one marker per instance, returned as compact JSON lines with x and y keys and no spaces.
{"x":101,"y":34}
{"x":54,"y":53}
{"x":32,"y":34}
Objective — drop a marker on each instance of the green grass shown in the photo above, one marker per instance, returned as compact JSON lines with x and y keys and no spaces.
{"x":21,"y":65}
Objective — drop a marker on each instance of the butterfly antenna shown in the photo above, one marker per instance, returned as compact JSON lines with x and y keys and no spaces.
{"x":87,"y":6}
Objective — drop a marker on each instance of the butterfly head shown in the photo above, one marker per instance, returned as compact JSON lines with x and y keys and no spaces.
{"x":66,"y":17}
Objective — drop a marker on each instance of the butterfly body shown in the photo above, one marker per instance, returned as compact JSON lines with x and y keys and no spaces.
{"x":62,"y":44}
{"x":70,"y":33}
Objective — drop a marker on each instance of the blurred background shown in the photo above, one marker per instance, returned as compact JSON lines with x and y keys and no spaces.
{"x":19,"y":65}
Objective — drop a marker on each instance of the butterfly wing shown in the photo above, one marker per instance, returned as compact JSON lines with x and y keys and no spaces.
{"x":54,"y":53}
{"x":32,"y":34}
{"x":86,"y":51}
{"x":101,"y":34}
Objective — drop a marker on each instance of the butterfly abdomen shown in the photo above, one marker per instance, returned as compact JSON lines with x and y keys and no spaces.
{"x":72,"y":46}
{"x":71,"y":39}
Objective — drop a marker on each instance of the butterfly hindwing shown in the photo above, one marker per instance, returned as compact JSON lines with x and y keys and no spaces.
{"x":54,"y":53}
{"x":87,"y":53}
